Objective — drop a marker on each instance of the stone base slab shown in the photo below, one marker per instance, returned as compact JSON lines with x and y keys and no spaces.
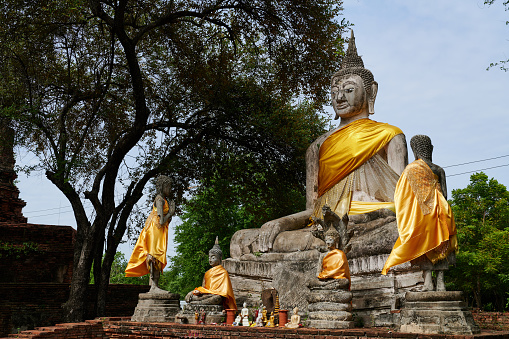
{"x":374,"y":296}
{"x":437,"y":313}
{"x":329,"y":324}
{"x":156,"y":307}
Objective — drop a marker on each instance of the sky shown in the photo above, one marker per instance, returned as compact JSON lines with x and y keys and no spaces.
{"x":429,"y":58}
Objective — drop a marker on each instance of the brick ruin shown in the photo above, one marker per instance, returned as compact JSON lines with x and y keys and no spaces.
{"x":36,"y":261}
{"x":10,"y":204}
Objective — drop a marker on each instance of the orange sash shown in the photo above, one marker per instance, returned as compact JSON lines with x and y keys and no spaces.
{"x":153,"y":240}
{"x":335,"y":266}
{"x":425,"y":221}
{"x":217,"y":281}
{"x":349,"y":147}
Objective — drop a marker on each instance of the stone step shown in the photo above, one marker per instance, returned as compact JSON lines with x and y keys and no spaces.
{"x":341,"y":297}
{"x":325,"y":324}
{"x":329,"y":306}
{"x":330,"y":315}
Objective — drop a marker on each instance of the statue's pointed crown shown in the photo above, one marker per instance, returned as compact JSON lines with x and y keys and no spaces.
{"x":352,"y":64}
{"x":352,"y":58}
{"x":332,"y":232}
{"x":216,"y":249}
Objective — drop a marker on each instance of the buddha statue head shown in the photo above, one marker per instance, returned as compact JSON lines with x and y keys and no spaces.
{"x":353,"y":88}
{"x":215,"y":254}
{"x":163,"y":185}
{"x":332,"y":238}
{"x":422,"y":147}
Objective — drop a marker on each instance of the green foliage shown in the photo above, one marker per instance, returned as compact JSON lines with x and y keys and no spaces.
{"x":9,"y":250}
{"x":481,"y":212}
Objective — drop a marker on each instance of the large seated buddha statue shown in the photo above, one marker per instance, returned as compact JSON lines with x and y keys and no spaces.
{"x":353,"y":168}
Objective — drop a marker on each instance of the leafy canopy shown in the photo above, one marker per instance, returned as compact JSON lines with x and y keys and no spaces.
{"x":481,"y":212}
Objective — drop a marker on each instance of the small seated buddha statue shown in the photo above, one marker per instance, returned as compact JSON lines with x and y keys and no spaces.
{"x":216,"y":288}
{"x":270,"y":322}
{"x":244,"y":313}
{"x":294,"y":320}
{"x":329,"y":298}
{"x":332,"y":270}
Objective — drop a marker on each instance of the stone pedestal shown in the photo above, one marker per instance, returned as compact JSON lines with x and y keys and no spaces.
{"x":329,"y":309}
{"x":437,"y":313}
{"x":214,"y":313}
{"x":157,"y":307}
{"x":374,"y":296}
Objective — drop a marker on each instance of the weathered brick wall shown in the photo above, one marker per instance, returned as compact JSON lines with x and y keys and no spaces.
{"x":90,"y":329}
{"x":498,"y":321}
{"x":27,"y":306}
{"x":117,"y":329}
{"x":50,"y":263}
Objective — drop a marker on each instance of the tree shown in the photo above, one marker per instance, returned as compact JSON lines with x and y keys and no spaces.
{"x":109,"y":94}
{"x":481,"y":212}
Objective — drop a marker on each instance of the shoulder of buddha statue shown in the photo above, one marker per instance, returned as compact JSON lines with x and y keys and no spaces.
{"x":315,"y":145}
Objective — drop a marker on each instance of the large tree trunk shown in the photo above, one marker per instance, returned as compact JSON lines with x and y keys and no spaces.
{"x":477,"y":292}
{"x":102,"y":287}
{"x":75,"y":307}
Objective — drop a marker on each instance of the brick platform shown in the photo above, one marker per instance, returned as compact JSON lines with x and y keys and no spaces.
{"x":498,"y":321}
{"x":115,"y":328}
{"x":27,"y":306}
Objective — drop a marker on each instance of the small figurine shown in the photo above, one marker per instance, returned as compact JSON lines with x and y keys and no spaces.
{"x":264,"y":315}
{"x":238,"y":321}
{"x":259,"y":319}
{"x":295,"y":320}
{"x":244,"y":313}
{"x":270,"y":323}
{"x":203,"y":316}
{"x":196,"y":318}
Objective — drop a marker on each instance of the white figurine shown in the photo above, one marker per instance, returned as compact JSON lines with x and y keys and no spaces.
{"x":244,"y":313}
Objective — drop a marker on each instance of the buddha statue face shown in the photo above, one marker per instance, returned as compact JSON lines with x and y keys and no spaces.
{"x":163,"y":185}
{"x":214,"y":259}
{"x":330,"y":241}
{"x":349,"y":97}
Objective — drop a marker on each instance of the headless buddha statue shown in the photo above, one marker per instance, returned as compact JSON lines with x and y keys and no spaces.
{"x":216,"y":288}
{"x":149,"y":254}
{"x":353,"y":168}
{"x":427,"y":232}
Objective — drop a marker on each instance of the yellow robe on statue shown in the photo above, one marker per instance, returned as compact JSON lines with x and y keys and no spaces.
{"x":335,"y":266}
{"x":153,"y":240}
{"x":425,"y":221}
{"x":348,"y":159}
{"x":217,"y":281}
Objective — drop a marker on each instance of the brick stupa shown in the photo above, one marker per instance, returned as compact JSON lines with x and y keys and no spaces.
{"x":10,"y":204}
